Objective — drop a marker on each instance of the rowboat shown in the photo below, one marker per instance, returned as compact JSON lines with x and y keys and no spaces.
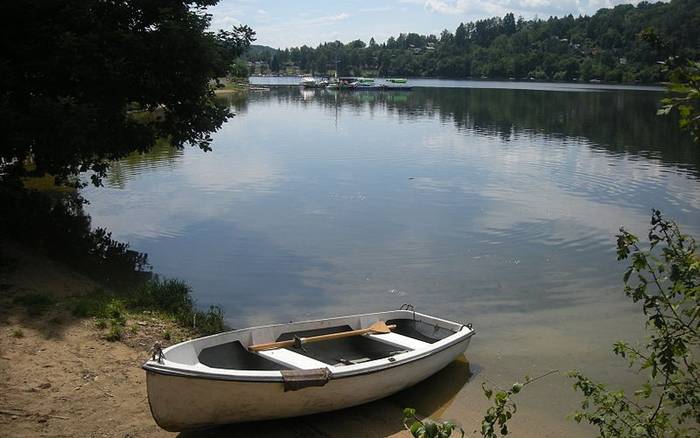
{"x":298,"y":368}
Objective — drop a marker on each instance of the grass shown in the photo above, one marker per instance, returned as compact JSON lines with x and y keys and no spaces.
{"x":47,"y":183}
{"x":115,"y":333}
{"x":170,"y":299}
{"x":174,"y":299}
{"x":17,"y":333}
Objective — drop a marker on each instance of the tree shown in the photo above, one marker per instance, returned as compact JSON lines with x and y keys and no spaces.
{"x":71,"y":69}
{"x":509,"y":24}
{"x":275,"y":63}
{"x":461,"y":35}
{"x":605,"y":45}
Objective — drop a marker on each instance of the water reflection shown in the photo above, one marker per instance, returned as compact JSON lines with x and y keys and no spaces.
{"x":619,"y":121}
{"x":458,"y":200}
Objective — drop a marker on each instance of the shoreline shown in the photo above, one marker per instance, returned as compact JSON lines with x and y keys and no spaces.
{"x":592,"y":82}
{"x":60,"y":376}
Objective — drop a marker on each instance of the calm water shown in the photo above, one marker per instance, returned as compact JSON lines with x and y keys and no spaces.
{"x":490,"y":205}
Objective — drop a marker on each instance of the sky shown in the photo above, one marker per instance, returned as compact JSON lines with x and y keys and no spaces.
{"x":284,"y":23}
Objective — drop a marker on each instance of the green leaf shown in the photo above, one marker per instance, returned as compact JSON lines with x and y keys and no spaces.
{"x":488,"y":392}
{"x":431,"y":429}
{"x":416,"y":429}
{"x":409,"y":413}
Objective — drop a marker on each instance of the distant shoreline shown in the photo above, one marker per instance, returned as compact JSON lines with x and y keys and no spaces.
{"x":515,"y":84}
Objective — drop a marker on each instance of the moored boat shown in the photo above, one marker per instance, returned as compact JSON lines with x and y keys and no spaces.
{"x":352,"y":83}
{"x":293,"y":369}
{"x":312,"y":82}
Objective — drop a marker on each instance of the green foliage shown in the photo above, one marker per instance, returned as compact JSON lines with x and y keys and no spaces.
{"x":115,"y":333}
{"x":71,"y":69}
{"x":210,"y":321}
{"x":684,"y":85}
{"x":663,"y":279}
{"x":239,"y":70}
{"x":685,"y":97}
{"x":495,"y":422}
{"x":17,"y":333}
{"x":428,"y":428}
{"x":169,"y":296}
{"x":173,"y":298}
{"x":604,"y":46}
{"x":115,"y":312}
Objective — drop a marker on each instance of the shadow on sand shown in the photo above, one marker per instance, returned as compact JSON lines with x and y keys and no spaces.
{"x":377,"y":419}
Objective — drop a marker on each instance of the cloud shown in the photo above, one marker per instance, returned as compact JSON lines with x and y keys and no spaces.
{"x":520,"y":7}
{"x":377,"y":9}
{"x":327,"y":19}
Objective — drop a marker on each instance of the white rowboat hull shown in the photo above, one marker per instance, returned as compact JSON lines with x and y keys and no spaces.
{"x":181,"y":402}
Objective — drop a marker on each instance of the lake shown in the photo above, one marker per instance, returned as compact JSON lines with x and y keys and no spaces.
{"x":483,"y":202}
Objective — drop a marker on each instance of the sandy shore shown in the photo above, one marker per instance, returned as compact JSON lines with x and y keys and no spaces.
{"x":59,"y":377}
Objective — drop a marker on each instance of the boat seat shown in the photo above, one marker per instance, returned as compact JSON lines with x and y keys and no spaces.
{"x":399,"y":340}
{"x":291,"y":359}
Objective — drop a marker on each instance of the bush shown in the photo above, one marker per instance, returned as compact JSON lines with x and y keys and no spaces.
{"x":115,"y":311}
{"x":115,"y":333}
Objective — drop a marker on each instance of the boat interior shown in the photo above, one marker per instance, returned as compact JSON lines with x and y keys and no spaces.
{"x":230,"y":351}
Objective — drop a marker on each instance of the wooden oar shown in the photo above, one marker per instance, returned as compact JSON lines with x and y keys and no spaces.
{"x":377,"y":327}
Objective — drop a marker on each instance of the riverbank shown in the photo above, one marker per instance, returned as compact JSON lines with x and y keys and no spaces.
{"x":60,"y":376}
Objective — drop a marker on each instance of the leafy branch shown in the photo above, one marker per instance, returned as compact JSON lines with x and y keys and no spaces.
{"x":684,"y":84}
{"x":494,"y":422}
{"x":497,"y":416}
{"x":664,"y":280}
{"x":427,"y":428}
